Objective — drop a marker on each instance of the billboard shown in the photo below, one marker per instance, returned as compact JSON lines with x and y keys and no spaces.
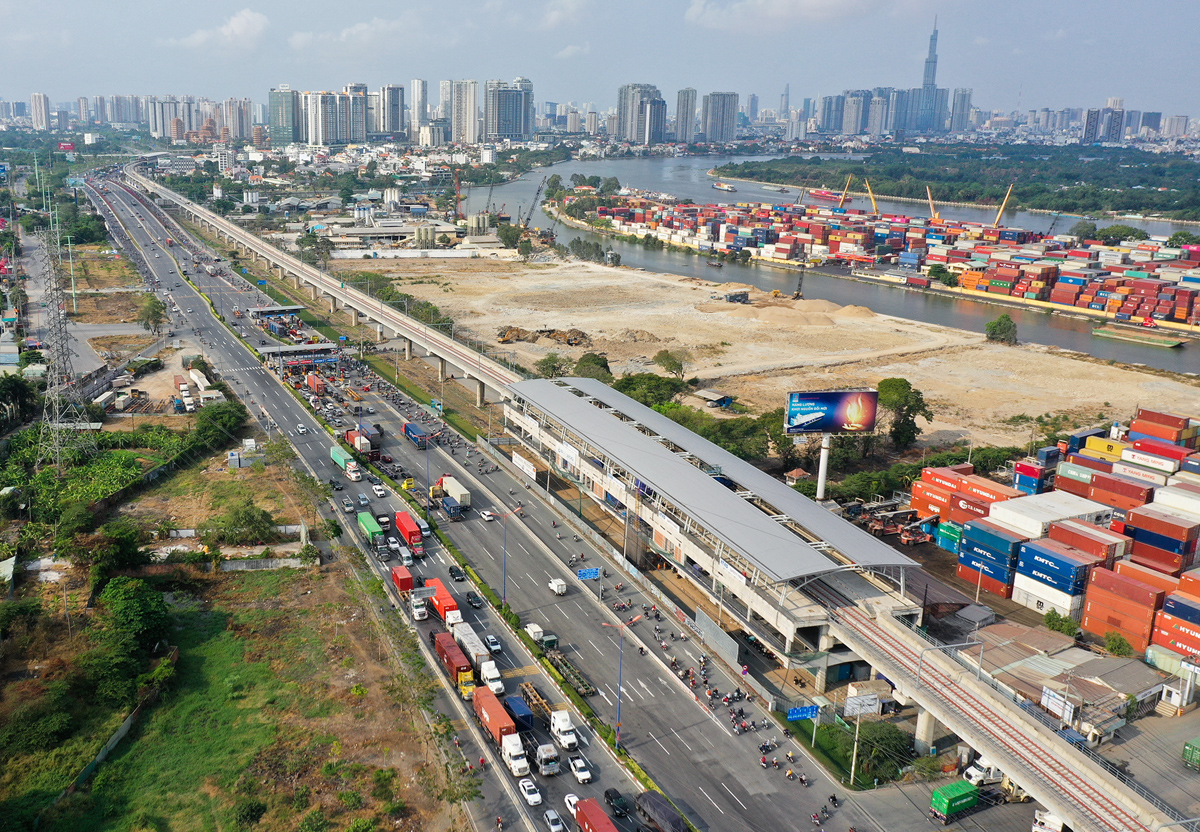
{"x":831,"y":411}
{"x":66,"y":146}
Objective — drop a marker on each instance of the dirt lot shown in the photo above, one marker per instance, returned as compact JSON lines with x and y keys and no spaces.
{"x":95,"y":270}
{"x":105,"y":307}
{"x":762,"y":350}
{"x":118,"y":347}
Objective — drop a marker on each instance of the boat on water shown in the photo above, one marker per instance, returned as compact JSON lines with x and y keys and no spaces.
{"x":776,"y":188}
{"x":828,"y":196}
{"x":1140,"y":335}
{"x":725,"y":186}
{"x":715,"y":264}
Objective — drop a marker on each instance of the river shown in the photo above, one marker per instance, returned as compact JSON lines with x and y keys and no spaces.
{"x":686,"y":177}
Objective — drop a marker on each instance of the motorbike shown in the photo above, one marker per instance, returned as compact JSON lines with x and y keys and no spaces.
{"x":833,"y":801}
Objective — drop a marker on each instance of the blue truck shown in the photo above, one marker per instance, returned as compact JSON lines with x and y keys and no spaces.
{"x":416,"y":434}
{"x":451,"y":507}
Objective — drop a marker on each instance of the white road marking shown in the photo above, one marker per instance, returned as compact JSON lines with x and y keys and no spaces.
{"x":646,"y":687}
{"x":734,"y":796}
{"x":710,"y":800}
{"x":664,"y":748}
{"x":598,"y":650}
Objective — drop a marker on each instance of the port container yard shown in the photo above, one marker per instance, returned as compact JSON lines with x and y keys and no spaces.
{"x":1138,"y":282}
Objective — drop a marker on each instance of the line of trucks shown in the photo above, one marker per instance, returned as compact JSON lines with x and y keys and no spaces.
{"x":184,"y":403}
{"x":342,"y":459}
{"x":453,"y":497}
{"x":510,"y":727}
{"x":983,"y":784}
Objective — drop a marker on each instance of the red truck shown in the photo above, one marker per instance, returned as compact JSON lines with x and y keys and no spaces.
{"x":402,"y":578}
{"x":442,"y":602}
{"x":410,"y":533}
{"x":316,"y":384}
{"x":591,"y":817}
{"x":456,"y":664}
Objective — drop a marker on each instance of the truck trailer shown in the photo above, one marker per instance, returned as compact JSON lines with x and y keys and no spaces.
{"x":455,"y":664}
{"x":416,"y":434}
{"x":370,"y":527}
{"x":442,"y":602}
{"x":591,"y":817}
{"x":410,"y":533}
{"x":501,"y":730}
{"x":343,"y":460}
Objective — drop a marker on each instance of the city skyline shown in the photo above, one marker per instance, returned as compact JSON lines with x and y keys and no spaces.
{"x":229,"y":50}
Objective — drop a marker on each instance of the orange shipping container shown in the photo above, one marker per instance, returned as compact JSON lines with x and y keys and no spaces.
{"x":1101,"y":627}
{"x":1143,"y":623}
{"x":931,"y":493}
{"x":1147,"y":575}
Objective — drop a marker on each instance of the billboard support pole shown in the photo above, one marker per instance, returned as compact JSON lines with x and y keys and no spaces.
{"x":823,"y":467}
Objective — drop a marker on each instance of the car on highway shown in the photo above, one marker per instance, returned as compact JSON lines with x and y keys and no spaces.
{"x":579,"y":768}
{"x":335,"y":485}
{"x":347,"y":505}
{"x":363,"y":501}
{"x":370,"y":410}
{"x":378,"y":491}
{"x":374,"y":480}
{"x":487,"y":515}
{"x":474,"y":600}
{"x":554,"y":822}
{"x":617,"y":802}
{"x":572,"y":801}
{"x":300,"y":429}
{"x":386,"y":458}
{"x":456,"y":574}
{"x":393,"y":543}
{"x":493,"y":644}
{"x":189,"y":311}
{"x":530,"y":792}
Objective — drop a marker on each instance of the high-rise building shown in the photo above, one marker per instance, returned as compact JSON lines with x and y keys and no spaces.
{"x":445,"y":99}
{"x":1091,"y":127}
{"x":236,"y":117}
{"x":508,"y":111}
{"x":82,"y":109}
{"x":719,"y":116}
{"x":1152,"y":121}
{"x":685,"y":116}
{"x":785,"y":103}
{"x":829,"y":118}
{"x":420,"y":105}
{"x":39,"y":110}
{"x":355,"y":89}
{"x":960,"y":112}
{"x":283,"y":113}
{"x":854,"y":112}
{"x":1114,"y":128}
{"x":1174,"y":127}
{"x":1114,"y":104}
{"x":652,"y":121}
{"x":1133,"y":122}
{"x":592,"y":123}
{"x":933,"y":110}
{"x":573,"y":123}
{"x":464,"y":112}
{"x":99,"y":111}
{"x":752,"y":107}
{"x":390,"y":118}
{"x":526,"y":86}
{"x":630,"y":110}
{"x":877,"y":116}
{"x":797,"y":127}
{"x":321,"y":109}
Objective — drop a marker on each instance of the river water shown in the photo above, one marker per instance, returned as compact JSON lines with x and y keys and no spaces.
{"x":686,"y":178}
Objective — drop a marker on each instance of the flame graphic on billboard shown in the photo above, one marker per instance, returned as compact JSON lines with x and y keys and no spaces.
{"x":856,"y":413}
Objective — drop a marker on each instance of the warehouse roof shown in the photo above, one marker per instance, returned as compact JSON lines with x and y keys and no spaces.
{"x":776,"y":550}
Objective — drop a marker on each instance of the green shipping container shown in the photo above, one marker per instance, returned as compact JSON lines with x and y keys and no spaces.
{"x":950,"y":530}
{"x":1191,"y":754}
{"x":1071,"y":471}
{"x":954,"y":797}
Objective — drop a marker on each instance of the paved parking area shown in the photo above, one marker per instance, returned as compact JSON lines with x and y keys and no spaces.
{"x":904,"y":807}
{"x":1153,"y":746}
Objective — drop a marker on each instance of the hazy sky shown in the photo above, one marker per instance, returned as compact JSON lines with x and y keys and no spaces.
{"x":1014,"y":53}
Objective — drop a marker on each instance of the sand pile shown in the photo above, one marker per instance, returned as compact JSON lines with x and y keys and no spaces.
{"x":787,"y":312}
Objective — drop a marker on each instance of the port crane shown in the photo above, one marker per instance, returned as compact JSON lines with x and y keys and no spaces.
{"x":871,"y":194}
{"x":1004,"y":204}
{"x":845,"y":190}
{"x":933,"y":212}
{"x":534,"y":204}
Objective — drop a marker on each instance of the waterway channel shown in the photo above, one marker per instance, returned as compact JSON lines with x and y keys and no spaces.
{"x":686,"y":178}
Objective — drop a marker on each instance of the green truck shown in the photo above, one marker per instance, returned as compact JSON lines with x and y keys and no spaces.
{"x":953,"y":801}
{"x":370,"y":527}
{"x":1191,"y":754}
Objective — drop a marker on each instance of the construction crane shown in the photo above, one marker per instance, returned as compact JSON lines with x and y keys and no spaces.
{"x":933,"y":212}
{"x":870,"y":193}
{"x":457,"y":197}
{"x":534,"y":204}
{"x":487,"y":205}
{"x":1003,"y":205}
{"x":845,"y":190}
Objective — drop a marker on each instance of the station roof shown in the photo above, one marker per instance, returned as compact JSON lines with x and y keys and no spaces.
{"x":292,"y":349}
{"x":273,"y":310}
{"x":776,"y":550}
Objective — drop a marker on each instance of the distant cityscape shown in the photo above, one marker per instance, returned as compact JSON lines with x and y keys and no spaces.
{"x":464,"y":114}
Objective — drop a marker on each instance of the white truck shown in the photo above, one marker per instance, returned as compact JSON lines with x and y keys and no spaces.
{"x":1044,"y":821}
{"x":983,"y":773}
{"x":420,"y":611}
{"x":453,"y":488}
{"x":563,"y":731}
{"x":512,"y":751}
{"x":558,"y":586}
{"x":489,"y":674}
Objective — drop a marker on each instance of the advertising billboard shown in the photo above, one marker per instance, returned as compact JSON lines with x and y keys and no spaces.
{"x":66,"y":146}
{"x":831,"y":411}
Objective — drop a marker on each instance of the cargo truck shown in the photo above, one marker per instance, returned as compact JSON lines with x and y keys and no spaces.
{"x":453,"y":488}
{"x":343,"y":460}
{"x":442,"y":603}
{"x":544,"y":757}
{"x":561,"y":728}
{"x":501,"y":730}
{"x":1191,"y":754}
{"x":455,"y":664}
{"x":315,"y":383}
{"x":410,"y":533}
{"x":471,"y":644}
{"x":1045,"y":821}
{"x":657,"y":811}
{"x":591,"y":817}
{"x":522,"y":716}
{"x":451,"y":507}
{"x":983,"y":773}
{"x":953,"y":801}
{"x":370,"y":528}
{"x":402,"y":579}
{"x":416,"y":434}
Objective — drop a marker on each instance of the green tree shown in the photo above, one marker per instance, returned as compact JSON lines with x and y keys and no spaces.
{"x":1084,"y":230}
{"x":674,"y":362}
{"x":444,"y":240}
{"x":903,"y":404}
{"x":1003,"y":330}
{"x":609,"y":186}
{"x":1183,"y":238}
{"x":1117,"y":644}
{"x":30,"y":357}
{"x":553,"y":366}
{"x":578,"y":179}
{"x":554,"y":184}
{"x":525,"y":248}
{"x":18,"y":392}
{"x":650,"y":389}
{"x":510,"y":235}
{"x":592,"y":365}
{"x":223,"y":206}
{"x":1114,"y":234}
{"x":131,"y":605}
{"x":937,"y":271}
{"x":243,"y":524}
{"x":1060,"y":623}
{"x":152,"y":314}
{"x":772,"y":424}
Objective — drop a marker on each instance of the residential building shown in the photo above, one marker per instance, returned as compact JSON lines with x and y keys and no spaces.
{"x":325,"y":126}
{"x":960,"y":112}
{"x":464,"y":112}
{"x":877,"y":116}
{"x":390,"y":117}
{"x":419,"y":90}
{"x":1091,"y":127}
{"x":81,"y":107}
{"x":1114,"y":128}
{"x":39,"y":110}
{"x":1152,"y":121}
{"x":854,"y":111}
{"x":573,"y":123}
{"x":630,"y":110}
{"x":719,"y":116}
{"x":445,"y":99}
{"x":592,"y":124}
{"x":1175,"y":127}
{"x":99,"y":111}
{"x":785,"y":103}
{"x":652,"y":121}
{"x":283,"y":112}
{"x":685,"y":116}
{"x":830,"y":116}
{"x":752,"y":108}
{"x":508,"y":110}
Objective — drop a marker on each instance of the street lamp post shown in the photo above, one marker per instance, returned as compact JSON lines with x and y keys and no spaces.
{"x":504,"y":582}
{"x":620,"y":668}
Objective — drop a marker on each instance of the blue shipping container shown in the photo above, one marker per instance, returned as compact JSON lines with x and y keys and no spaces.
{"x":1178,"y":547}
{"x":1075,"y":440}
{"x":996,"y":539}
{"x":969,"y":547}
{"x":1051,"y":580}
{"x":1049,"y":456}
{"x":991,"y":570}
{"x":1182,"y":607}
{"x":1067,"y":567}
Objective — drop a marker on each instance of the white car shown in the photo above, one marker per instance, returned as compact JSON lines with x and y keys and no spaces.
{"x":572,"y":801}
{"x":580,"y":769}
{"x":487,"y":515}
{"x":554,"y":821}
{"x":300,"y":429}
{"x":530,"y":792}
{"x":378,"y":491}
{"x":493,"y":644}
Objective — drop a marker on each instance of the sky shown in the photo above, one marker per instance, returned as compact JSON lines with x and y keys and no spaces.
{"x":1014,"y":54}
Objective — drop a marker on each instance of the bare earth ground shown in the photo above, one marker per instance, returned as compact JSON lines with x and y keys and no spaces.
{"x":104,"y":308}
{"x":761,"y":351}
{"x":95,"y":270}
{"x":119,"y":347}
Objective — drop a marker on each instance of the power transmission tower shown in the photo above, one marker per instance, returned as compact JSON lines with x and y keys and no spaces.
{"x":64,"y":418}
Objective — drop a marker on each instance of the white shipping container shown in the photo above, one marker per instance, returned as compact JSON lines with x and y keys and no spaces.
{"x":1178,"y":513}
{"x":1041,"y":598}
{"x":1137,"y":472}
{"x":1177,"y":498}
{"x":1184,"y":477}
{"x":1032,"y":515}
{"x":1158,"y":463}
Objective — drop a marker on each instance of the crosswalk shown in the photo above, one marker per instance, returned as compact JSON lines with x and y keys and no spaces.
{"x":519,"y":671}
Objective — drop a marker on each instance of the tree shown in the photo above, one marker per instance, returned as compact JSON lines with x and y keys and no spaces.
{"x":592,"y":365}
{"x":553,"y":366}
{"x":1060,"y":623}
{"x":152,"y":314}
{"x":509,"y":234}
{"x":1183,"y":238}
{"x":444,"y":240}
{"x":1084,"y":230}
{"x":243,"y":524}
{"x":649,"y":388}
{"x":525,"y":248}
{"x":223,"y":206}
{"x":30,"y":357}
{"x":578,"y":179}
{"x":674,"y":362}
{"x":1116,"y":233}
{"x":903,"y":403}
{"x":133,"y":606}
{"x":1117,"y":644}
{"x":1003,"y":330}
{"x":554,"y":184}
{"x":609,"y":186}
{"x":941,"y":274}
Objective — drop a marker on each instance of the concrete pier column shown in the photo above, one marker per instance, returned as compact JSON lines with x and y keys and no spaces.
{"x":379,"y":332}
{"x":408,"y":347}
{"x":821,"y":679}
{"x":282,"y":272}
{"x":296,"y":281}
{"x":480,"y":401}
{"x":441,"y":365}
{"x":314,"y":291}
{"x":332,"y":304}
{"x":926,"y":724}
{"x":353,"y":316}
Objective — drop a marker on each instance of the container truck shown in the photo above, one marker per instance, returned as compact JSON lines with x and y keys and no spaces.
{"x":657,"y":811}
{"x":520,"y":712}
{"x":410,"y":532}
{"x":443,"y":602}
{"x":1045,"y":821}
{"x":489,"y":674}
{"x":544,"y":756}
{"x":453,"y":488}
{"x":471,"y":644}
{"x":455,"y":663}
{"x":501,"y":730}
{"x":1191,"y":754}
{"x":402,"y":578}
{"x":983,"y":773}
{"x":561,"y":727}
{"x":953,"y":801}
{"x":315,"y":383}
{"x":451,"y":507}
{"x":416,"y":434}
{"x":369,"y":527}
{"x":343,"y":460}
{"x":591,"y":817}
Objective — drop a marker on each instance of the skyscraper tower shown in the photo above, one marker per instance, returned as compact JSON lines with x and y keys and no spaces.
{"x":785,"y":103}
{"x":930,"y":115}
{"x":931,"y":61}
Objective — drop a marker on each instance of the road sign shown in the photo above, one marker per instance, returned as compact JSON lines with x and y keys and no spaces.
{"x":807,"y":712}
{"x":422,"y":592}
{"x":867,"y":703}
{"x":745,"y":670}
{"x":589,"y":574}
{"x":245,"y":271}
{"x":262,"y":283}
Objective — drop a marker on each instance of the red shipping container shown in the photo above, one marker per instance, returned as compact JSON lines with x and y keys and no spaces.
{"x":976,"y":578}
{"x":1127,"y":587}
{"x":1179,"y":644}
{"x":1162,"y":523}
{"x":970,"y":505}
{"x":1109,"y":499}
{"x":942,"y":478}
{"x":1168,"y":419}
{"x":963,"y":469}
{"x":1079,"y":489}
{"x":1189,"y":582}
{"x":1124,"y":614}
{"x":1091,"y":462}
{"x":1091,"y":538}
{"x":924,"y":508}
{"x":931,"y":493}
{"x":1027,"y":469}
{"x":1177,"y":626}
{"x":1153,"y":446}
{"x":1101,"y":627}
{"x":988,"y":490}
{"x":1159,"y":559}
{"x":1125,"y":486}
{"x":1147,"y":575}
{"x":1163,"y":432}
